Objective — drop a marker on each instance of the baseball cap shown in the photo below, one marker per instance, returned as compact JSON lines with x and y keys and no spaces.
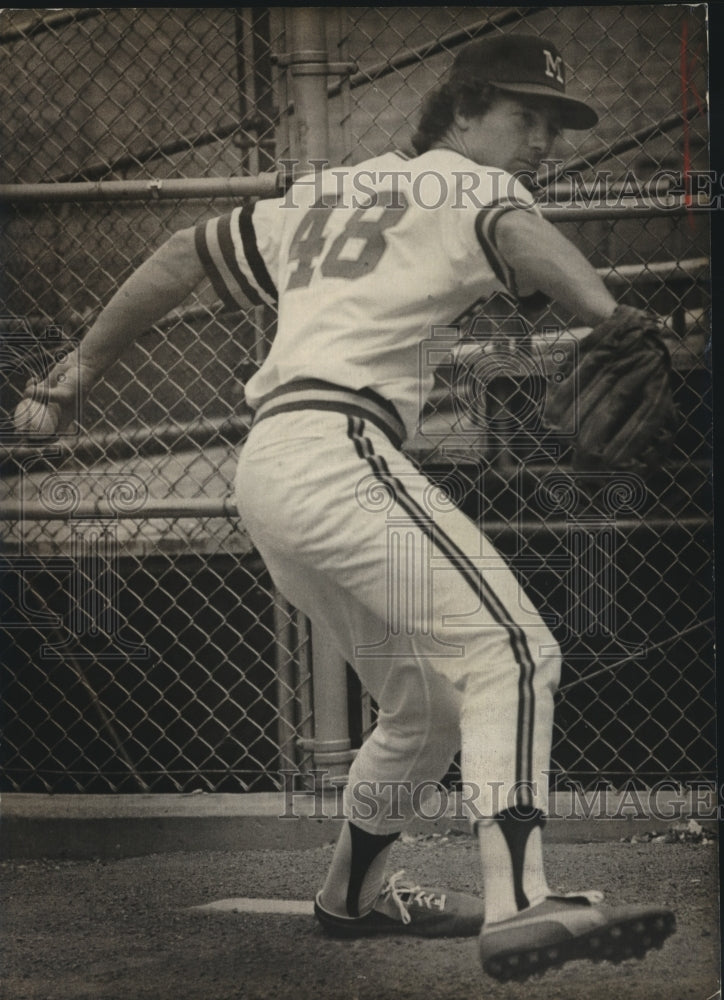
{"x":522,"y":64}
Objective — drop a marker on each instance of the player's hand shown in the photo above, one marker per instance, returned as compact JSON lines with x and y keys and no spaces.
{"x":51,"y":404}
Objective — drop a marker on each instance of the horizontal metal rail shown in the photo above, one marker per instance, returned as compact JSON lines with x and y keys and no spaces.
{"x":258,"y":185}
{"x":272,"y":184}
{"x":637,"y":208}
{"x":568,"y":188}
{"x":34,"y":510}
{"x":169,"y":508}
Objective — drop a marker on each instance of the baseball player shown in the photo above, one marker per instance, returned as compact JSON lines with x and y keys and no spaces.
{"x":362,"y":263}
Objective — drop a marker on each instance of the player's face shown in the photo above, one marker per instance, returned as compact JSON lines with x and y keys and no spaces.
{"x":514,"y":134}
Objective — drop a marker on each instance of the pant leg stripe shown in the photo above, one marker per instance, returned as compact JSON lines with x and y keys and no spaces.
{"x":474,"y":578}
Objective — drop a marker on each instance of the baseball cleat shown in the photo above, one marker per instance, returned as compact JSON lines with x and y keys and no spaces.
{"x":405,"y":908}
{"x":565,"y":928}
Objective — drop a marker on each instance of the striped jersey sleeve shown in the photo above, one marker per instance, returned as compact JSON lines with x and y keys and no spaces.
{"x":229,"y":250}
{"x":486,"y":223}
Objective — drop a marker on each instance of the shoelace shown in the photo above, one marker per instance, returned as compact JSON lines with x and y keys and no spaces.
{"x":392,"y":891}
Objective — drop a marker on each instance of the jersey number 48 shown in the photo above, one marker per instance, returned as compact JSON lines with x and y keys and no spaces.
{"x":308,"y":243}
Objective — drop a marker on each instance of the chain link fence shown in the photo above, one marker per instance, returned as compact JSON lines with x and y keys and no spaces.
{"x":145,"y":647}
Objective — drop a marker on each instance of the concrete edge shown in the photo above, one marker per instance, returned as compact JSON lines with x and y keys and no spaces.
{"x":81,"y":827}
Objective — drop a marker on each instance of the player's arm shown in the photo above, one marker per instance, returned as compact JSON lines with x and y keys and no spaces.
{"x":160,"y":284}
{"x":224,"y":249}
{"x":543,"y":260}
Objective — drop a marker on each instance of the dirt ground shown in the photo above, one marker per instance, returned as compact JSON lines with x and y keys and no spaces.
{"x":123,"y":930}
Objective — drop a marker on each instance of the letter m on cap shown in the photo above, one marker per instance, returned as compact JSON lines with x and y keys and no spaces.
{"x":554,"y":66}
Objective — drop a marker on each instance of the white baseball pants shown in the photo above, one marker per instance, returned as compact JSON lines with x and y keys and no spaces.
{"x":421,"y":605}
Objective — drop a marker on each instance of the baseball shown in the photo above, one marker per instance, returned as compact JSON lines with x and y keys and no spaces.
{"x":32,"y":417}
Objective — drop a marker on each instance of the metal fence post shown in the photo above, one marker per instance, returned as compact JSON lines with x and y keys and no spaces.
{"x":309,"y":68}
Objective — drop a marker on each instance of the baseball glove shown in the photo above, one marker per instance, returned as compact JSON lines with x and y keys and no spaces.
{"x":616,"y":400}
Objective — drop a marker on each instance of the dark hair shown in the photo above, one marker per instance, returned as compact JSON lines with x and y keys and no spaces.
{"x":438,"y":110}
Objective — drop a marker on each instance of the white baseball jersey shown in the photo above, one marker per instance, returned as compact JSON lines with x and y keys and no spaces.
{"x":364,"y":262}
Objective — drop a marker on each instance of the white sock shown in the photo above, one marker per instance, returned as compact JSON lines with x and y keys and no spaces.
{"x":511,"y":854}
